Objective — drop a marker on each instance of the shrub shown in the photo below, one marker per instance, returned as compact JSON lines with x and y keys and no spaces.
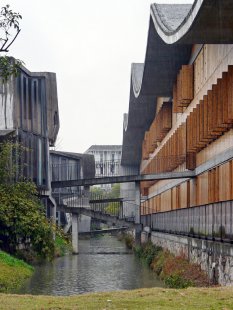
{"x":23,"y":224}
{"x":176,"y":281}
{"x":147,"y":252}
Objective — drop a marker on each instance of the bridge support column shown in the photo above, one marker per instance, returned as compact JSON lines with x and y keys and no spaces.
{"x":137,"y":235}
{"x":75,"y":233}
{"x":138,"y":228}
{"x":137,"y":202}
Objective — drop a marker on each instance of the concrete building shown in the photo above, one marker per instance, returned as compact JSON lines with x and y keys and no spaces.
{"x":29,"y":115}
{"x":67,"y":166}
{"x":180,"y":118}
{"x":107,"y":160}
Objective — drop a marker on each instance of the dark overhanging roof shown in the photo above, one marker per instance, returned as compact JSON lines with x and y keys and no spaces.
{"x":173,"y":29}
{"x":88,"y":161}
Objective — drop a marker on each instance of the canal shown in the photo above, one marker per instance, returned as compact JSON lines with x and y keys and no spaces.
{"x":104,"y":264}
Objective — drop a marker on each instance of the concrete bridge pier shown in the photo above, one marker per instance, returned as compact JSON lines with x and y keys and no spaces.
{"x":75,"y":217}
{"x":138,"y":226}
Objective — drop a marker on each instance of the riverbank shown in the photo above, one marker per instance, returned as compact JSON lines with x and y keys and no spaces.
{"x":175,"y":271}
{"x":13,"y":272}
{"x":153,"y":298}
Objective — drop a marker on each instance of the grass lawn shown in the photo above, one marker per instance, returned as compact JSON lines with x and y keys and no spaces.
{"x":153,"y":298}
{"x":12,"y":272}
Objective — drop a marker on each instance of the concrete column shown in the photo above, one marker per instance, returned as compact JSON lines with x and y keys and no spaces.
{"x":137,"y":234}
{"x":53,"y":214}
{"x":75,"y":233}
{"x":138,"y":228}
{"x":137,"y":202}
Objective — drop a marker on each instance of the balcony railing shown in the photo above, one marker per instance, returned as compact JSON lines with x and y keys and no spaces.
{"x":213,"y":221}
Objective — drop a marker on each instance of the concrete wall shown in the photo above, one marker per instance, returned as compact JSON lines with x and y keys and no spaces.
{"x":6,"y":105}
{"x":215,"y":258}
{"x":84,"y":223}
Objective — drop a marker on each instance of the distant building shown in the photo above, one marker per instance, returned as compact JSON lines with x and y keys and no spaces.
{"x":107,"y":160}
{"x":29,"y":115}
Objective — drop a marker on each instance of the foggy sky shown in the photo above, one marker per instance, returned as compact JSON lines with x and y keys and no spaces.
{"x":90,"y":45}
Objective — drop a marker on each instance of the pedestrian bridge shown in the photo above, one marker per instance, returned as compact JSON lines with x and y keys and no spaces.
{"x":115,"y":212}
{"x":127,"y":178}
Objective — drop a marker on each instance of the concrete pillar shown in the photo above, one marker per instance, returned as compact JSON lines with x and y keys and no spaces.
{"x":75,"y":233}
{"x":53,"y":214}
{"x":138,"y":228}
{"x":137,"y":234}
{"x":137,"y":202}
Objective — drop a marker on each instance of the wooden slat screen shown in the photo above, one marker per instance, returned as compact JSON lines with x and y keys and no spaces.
{"x":171,"y":155}
{"x":160,"y":126}
{"x":211,"y":118}
{"x":183,"y":89}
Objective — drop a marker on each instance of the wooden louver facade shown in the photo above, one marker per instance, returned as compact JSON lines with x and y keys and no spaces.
{"x":183,"y":89}
{"x":160,"y":126}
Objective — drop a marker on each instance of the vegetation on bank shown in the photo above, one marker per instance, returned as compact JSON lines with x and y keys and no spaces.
{"x":176,"y":272}
{"x":148,"y":299}
{"x":128,"y":239}
{"x":25,"y":232}
{"x":12,"y":272}
{"x":62,"y":243}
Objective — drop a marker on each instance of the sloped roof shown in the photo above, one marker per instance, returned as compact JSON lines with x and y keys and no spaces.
{"x":173,"y":29}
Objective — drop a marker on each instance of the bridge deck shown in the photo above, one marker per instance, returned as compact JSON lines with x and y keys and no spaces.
{"x":124,"y":179}
{"x":103,"y":231}
{"x":111,"y":220}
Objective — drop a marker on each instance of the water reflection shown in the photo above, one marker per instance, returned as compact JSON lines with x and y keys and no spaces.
{"x":91,"y":271}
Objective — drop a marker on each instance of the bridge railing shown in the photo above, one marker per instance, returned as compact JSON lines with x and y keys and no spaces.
{"x":112,"y":206}
{"x":72,"y":171}
{"x":113,"y":168}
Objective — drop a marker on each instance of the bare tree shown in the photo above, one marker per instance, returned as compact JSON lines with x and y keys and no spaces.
{"x":9,"y":30}
{"x":9,"y":27}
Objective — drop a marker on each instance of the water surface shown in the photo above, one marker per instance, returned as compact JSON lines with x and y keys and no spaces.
{"x":104,"y":264}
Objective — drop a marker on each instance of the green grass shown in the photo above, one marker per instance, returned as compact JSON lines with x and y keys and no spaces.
{"x":148,"y":299}
{"x":13,"y":272}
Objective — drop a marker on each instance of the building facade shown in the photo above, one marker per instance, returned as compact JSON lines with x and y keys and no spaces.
{"x":183,"y":93}
{"x":107,"y":160}
{"x":67,"y":166}
{"x":29,"y":115}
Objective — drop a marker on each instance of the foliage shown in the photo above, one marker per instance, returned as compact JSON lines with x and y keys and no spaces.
{"x":62,"y":242}
{"x":147,"y":252}
{"x":24,"y":228}
{"x":176,"y":281}
{"x":177,"y":271}
{"x":100,"y":192}
{"x":13,"y":272}
{"x":115,"y":191}
{"x":9,"y":27}
{"x":113,"y":208}
{"x":96,"y":191}
{"x":9,"y":67}
{"x":127,"y":238}
{"x":9,"y":164}
{"x":9,"y":30}
{"x":129,"y":241}
{"x":23,"y":225}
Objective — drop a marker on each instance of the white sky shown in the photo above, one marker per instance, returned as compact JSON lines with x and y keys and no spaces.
{"x":90,"y":45}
